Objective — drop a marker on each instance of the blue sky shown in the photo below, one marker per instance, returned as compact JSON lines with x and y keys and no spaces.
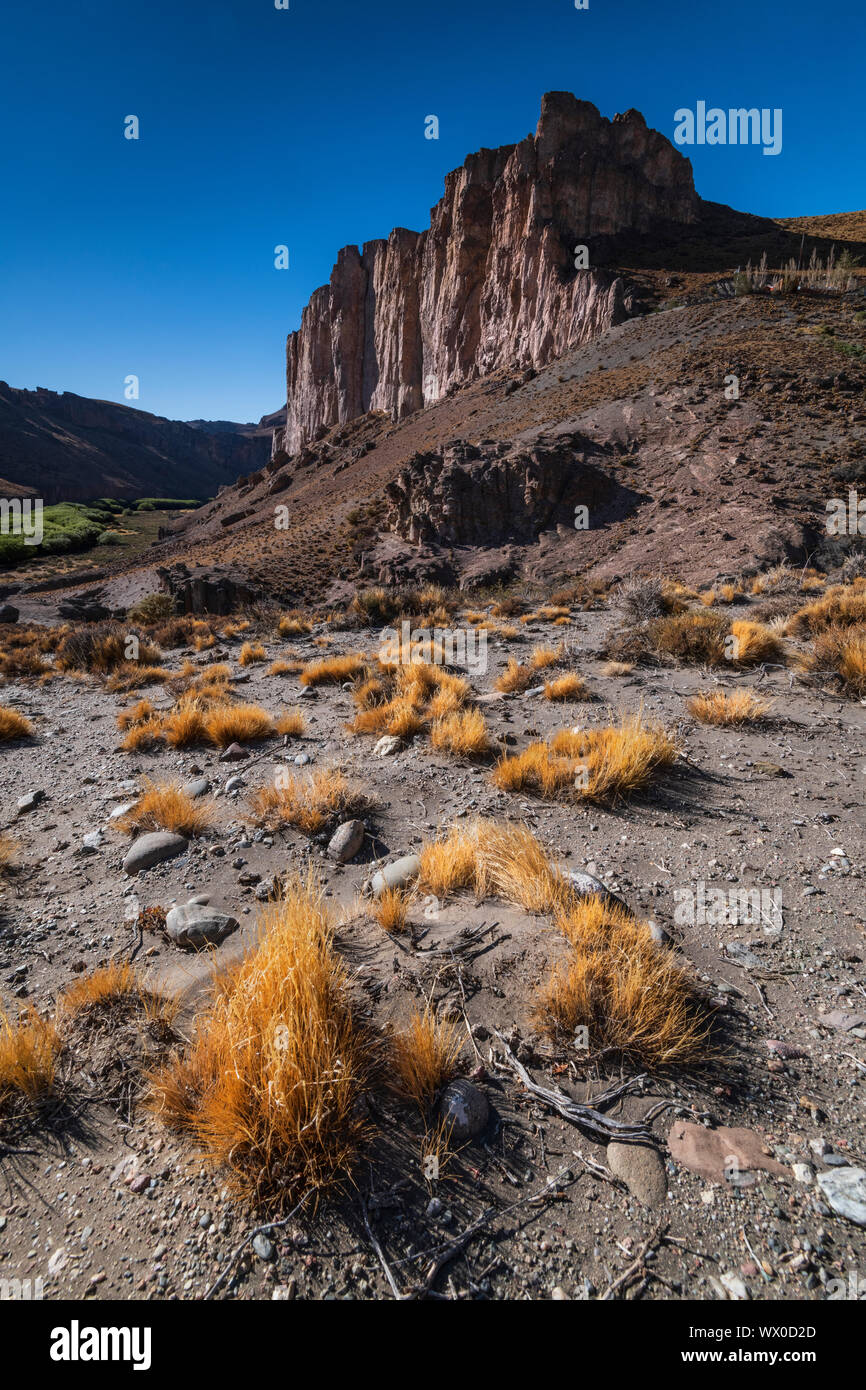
{"x":305,"y":127}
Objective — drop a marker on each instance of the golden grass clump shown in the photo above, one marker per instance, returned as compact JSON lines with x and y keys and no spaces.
{"x":843,"y":605}
{"x":138,"y":713}
{"x":463,"y":733}
{"x":28,"y":1056}
{"x":504,"y":861}
{"x":728,"y":707}
{"x":695,"y":638}
{"x":13,"y":725}
{"x":571,"y":686}
{"x":9,"y":850}
{"x":251,"y":652}
{"x":116,"y":985}
{"x":755,"y":643}
{"x":629,"y":993}
{"x":592,"y":764}
{"x":617,"y":669}
{"x":281,"y":667}
{"x":842,"y":650}
{"x":132,"y":675}
{"x":291,"y":723}
{"x":166,"y":806}
{"x":291,"y":626}
{"x":423,"y":1056}
{"x":227,"y":724}
{"x":271,"y":1086}
{"x":515,"y":678}
{"x":334,"y":670}
{"x":391,"y":910}
{"x":542,"y":657}
{"x":308,"y":803}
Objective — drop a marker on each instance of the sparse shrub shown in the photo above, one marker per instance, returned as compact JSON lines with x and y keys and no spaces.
{"x":391,"y":909}
{"x":423,"y":1057}
{"x":13,"y":725}
{"x":310,"y":804}
{"x":271,"y":1086}
{"x":568,"y":687}
{"x":723,"y":707}
{"x":166,"y":806}
{"x":590,"y":765}
{"x":463,"y":733}
{"x":694,"y":638}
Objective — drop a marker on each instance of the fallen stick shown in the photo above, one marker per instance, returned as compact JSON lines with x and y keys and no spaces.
{"x":586,"y":1117}
{"x":257,"y":1230}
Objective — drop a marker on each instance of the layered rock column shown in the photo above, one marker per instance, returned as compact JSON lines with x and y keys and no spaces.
{"x":492,"y":282}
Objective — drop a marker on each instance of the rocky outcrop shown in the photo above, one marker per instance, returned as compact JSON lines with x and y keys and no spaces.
{"x":466,"y":495}
{"x":493,"y":281}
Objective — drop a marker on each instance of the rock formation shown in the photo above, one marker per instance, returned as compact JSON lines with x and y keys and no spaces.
{"x":493,"y":281}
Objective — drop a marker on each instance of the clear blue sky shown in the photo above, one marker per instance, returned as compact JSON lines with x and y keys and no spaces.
{"x":306,"y":127}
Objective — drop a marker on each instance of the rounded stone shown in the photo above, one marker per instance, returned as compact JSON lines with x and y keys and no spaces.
{"x":152,"y":849}
{"x":194,"y":925}
{"x":641,"y":1169}
{"x":464,"y":1109}
{"x":396,"y":875}
{"x":346,"y":841}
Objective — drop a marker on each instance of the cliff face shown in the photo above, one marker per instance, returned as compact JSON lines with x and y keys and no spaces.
{"x":71,"y":448}
{"x":492,"y":282}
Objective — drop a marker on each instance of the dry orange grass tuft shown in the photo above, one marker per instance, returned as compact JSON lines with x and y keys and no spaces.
{"x":571,"y":686}
{"x":271,"y":1086}
{"x":755,"y":643}
{"x":843,"y":605}
{"x":13,"y":725}
{"x":505,"y":861}
{"x":542,"y":657}
{"x":251,"y":652}
{"x":309,"y":804}
{"x":237,"y":724}
{"x":391,"y":910}
{"x":617,"y":668}
{"x":697,"y":638}
{"x":8,"y":854}
{"x":722,"y":707}
{"x":629,"y":993}
{"x":291,"y":723}
{"x":166,"y":806}
{"x":592,"y":764}
{"x":463,"y":733}
{"x":132,"y":675}
{"x":291,"y":626}
{"x":515,"y":677}
{"x":138,"y":713}
{"x":334,"y":670}
{"x":114,"y":986}
{"x":842,"y":650}
{"x":28,"y":1056}
{"x":423,"y":1057}
{"x":280,"y":667}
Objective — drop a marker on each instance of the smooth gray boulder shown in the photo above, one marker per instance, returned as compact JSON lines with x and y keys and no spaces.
{"x":396,"y":875}
{"x":194,"y":925}
{"x":199,"y":786}
{"x":587,"y":886}
{"x":346,"y":841}
{"x":152,"y":849}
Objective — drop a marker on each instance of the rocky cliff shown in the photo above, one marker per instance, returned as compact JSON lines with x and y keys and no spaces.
{"x":493,"y":280}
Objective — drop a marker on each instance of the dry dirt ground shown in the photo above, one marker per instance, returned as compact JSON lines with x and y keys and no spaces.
{"x":104,"y":1201}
